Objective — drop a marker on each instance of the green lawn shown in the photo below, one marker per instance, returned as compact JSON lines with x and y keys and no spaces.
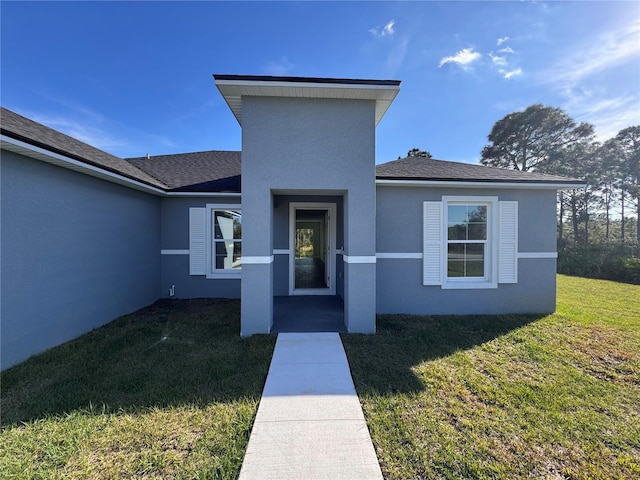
{"x":170,"y":391}
{"x":553,"y":397}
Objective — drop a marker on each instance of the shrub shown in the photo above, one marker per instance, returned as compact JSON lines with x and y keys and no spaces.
{"x":609,"y":261}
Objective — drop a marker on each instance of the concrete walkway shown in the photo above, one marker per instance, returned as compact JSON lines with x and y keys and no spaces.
{"x":309,"y":423}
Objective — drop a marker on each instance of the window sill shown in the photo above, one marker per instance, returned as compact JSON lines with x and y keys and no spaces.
{"x":469,"y":285}
{"x":224,"y":276}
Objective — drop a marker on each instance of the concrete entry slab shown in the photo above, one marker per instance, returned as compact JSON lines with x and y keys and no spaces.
{"x":308,"y":313}
{"x":310,"y":423}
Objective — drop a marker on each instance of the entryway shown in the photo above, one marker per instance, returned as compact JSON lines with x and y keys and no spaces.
{"x":312,"y":234}
{"x":314,"y":313}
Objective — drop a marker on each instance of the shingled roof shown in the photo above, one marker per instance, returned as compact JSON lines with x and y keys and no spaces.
{"x":219,"y":171}
{"x":423,"y":169}
{"x":212,"y":171}
{"x":21,"y":128}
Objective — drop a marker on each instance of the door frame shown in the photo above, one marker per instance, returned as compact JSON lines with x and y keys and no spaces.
{"x":330,"y":241}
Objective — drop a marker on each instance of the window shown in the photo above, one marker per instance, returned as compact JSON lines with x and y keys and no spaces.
{"x":226,"y":244}
{"x":215,"y":241}
{"x":466,"y":241}
{"x":470,"y":242}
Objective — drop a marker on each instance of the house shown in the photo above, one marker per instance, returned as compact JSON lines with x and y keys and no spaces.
{"x":302,"y":210}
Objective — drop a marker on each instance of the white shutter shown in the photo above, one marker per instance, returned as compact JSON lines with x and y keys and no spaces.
{"x":197,"y":241}
{"x":433,"y":241}
{"x":508,"y":242}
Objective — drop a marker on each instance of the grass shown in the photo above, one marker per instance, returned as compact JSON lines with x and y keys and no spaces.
{"x":170,"y":391}
{"x":553,"y":397}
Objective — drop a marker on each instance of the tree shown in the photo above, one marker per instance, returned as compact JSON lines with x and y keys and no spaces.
{"x":416,"y":152}
{"x":627,"y":143}
{"x":610,"y":181}
{"x":577,"y":160}
{"x":525,"y":140}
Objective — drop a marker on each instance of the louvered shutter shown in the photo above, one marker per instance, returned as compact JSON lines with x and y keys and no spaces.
{"x":197,"y":241}
{"x":433,"y":241}
{"x":508,"y":242}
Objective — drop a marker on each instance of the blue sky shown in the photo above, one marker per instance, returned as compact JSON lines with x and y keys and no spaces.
{"x":135,"y":77}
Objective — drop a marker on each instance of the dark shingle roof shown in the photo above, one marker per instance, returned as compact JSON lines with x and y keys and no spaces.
{"x":212,"y":171}
{"x":219,"y":171}
{"x":420,"y":168}
{"x":21,"y":128}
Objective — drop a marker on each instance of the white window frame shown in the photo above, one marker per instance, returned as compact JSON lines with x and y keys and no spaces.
{"x":211,"y":271}
{"x":490,"y":279}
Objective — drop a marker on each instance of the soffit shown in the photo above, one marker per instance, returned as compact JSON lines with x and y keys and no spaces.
{"x":382,"y":92}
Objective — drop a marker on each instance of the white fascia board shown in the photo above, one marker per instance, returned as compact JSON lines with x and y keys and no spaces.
{"x":266,"y":83}
{"x":41,"y":154}
{"x":472,"y":184}
{"x":233,"y":90}
{"x":203,"y":194}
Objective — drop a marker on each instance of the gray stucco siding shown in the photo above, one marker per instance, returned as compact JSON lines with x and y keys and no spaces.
{"x":304,"y":146}
{"x":175,"y":236}
{"x":399,"y":289}
{"x":175,"y":272}
{"x":174,"y":228}
{"x":77,"y":252}
{"x":400,"y":286}
{"x":299,"y":143}
{"x":399,"y":216}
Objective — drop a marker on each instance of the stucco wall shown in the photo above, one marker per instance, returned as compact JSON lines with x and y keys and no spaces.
{"x":305,"y":146}
{"x":399,"y":281}
{"x":77,"y":252}
{"x":174,"y":235}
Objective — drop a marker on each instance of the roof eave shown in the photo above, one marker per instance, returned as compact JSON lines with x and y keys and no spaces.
{"x":441,"y":183}
{"x":234,"y":87}
{"x":82,"y":166}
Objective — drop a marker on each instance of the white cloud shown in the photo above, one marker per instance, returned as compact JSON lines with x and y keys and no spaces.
{"x":609,"y":106}
{"x":280,"y":67}
{"x":506,"y":50}
{"x":511,"y":73}
{"x":608,"y":115}
{"x":80,"y":130}
{"x":385,"y":31}
{"x":500,"y":41}
{"x":498,"y":60}
{"x":463,"y":58}
{"x":604,"y":53}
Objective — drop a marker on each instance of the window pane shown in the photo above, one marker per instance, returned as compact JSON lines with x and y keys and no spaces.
{"x":228,"y":255}
{"x":477,"y":213}
{"x":474,"y":269}
{"x":455,"y":251}
{"x":467,"y":222}
{"x":474,"y":251}
{"x":465,"y":260}
{"x":227,"y":224}
{"x":457,"y":231}
{"x":457,"y":213}
{"x":455,"y":260}
{"x":477,"y":231}
{"x":455,"y":268}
